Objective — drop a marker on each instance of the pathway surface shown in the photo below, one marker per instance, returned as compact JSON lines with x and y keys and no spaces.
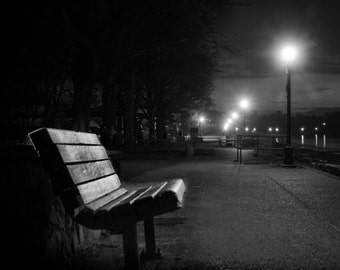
{"x":260,"y":216}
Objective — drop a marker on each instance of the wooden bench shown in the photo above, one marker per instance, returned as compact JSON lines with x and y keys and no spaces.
{"x":83,"y":176}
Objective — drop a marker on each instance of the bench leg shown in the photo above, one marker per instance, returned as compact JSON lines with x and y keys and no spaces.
{"x":130,"y":242}
{"x":150,"y":241}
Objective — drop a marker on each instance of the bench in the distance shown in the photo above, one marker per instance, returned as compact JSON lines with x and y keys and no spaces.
{"x":83,"y":176}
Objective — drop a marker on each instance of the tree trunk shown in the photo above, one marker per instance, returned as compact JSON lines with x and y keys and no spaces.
{"x":81,"y":105}
{"x":82,"y":84}
{"x":151,"y":126}
{"x":110,"y":91}
{"x":130,"y":110}
{"x":151,"y":115}
{"x":160,"y":122}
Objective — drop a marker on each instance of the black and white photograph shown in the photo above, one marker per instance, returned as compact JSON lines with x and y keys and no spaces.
{"x":171,"y":135}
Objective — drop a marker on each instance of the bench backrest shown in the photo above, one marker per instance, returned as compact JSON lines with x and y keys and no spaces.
{"x":79,"y":166}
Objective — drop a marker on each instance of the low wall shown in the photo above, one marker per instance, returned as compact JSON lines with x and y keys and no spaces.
{"x":38,"y":232}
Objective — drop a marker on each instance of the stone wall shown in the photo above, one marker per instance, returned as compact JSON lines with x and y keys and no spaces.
{"x":37,"y":230}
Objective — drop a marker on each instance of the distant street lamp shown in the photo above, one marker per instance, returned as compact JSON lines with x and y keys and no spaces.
{"x":201,"y":120}
{"x":316,"y":136}
{"x":302,"y":136}
{"x":289,"y":53}
{"x":244,"y":104}
{"x":234,"y":115}
{"x":324,"y":134}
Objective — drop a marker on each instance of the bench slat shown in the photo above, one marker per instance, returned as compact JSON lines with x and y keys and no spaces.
{"x":85,"y":193}
{"x":57,"y":136}
{"x":118,"y":212}
{"x":134,"y":205}
{"x":83,"y":172}
{"x":171,"y":197}
{"x":86,"y":216}
{"x":144,"y":207}
{"x":81,"y":153}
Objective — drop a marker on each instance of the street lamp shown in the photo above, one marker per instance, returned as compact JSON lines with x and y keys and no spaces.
{"x":244,"y":104}
{"x":234,"y":115}
{"x":302,"y":136}
{"x":316,"y":136}
{"x":201,"y":120}
{"x":324,"y":134}
{"x":289,"y":53}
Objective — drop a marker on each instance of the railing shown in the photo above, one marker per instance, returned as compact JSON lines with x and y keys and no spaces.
{"x":260,"y":143}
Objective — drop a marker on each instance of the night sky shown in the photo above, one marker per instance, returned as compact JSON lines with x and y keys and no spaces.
{"x":256,"y":31}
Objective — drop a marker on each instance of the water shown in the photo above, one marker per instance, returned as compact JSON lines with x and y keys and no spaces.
{"x":310,"y":142}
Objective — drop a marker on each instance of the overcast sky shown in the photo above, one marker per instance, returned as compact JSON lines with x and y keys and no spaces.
{"x":256,"y":32}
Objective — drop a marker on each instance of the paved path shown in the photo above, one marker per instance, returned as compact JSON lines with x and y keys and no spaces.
{"x":238,"y":216}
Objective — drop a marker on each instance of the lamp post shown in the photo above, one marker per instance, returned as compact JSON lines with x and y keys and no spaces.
{"x":324,"y":134}
{"x":288,"y":55}
{"x":244,"y":104}
{"x":316,"y":136}
{"x":302,"y":136}
{"x":201,"y":121}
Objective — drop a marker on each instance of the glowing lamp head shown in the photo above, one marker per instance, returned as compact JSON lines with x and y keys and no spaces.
{"x":244,"y":104}
{"x":234,"y":115}
{"x":289,"y":54}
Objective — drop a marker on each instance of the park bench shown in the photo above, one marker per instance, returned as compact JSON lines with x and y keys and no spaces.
{"x":92,"y":193}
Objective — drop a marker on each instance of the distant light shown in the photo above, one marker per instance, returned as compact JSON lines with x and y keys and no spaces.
{"x":244,"y":104}
{"x":289,"y":54}
{"x":236,"y":129}
{"x":324,"y":123}
{"x":202,"y":119}
{"x":246,"y":129}
{"x":270,"y":129}
{"x":229,"y":120}
{"x":226,"y":126}
{"x":316,"y":128}
{"x":277,"y":129}
{"x":302,"y":129}
{"x":254,"y":129}
{"x":234,"y":115}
